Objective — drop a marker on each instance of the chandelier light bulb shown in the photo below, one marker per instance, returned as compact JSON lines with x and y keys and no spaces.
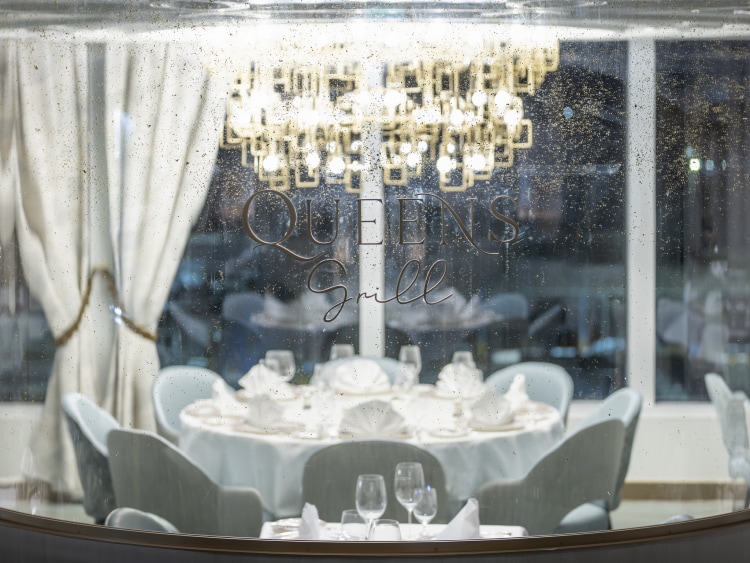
{"x":422,"y":146}
{"x":478,"y":162}
{"x":393,"y":98}
{"x":405,"y":148}
{"x":312,"y":160}
{"x":444,"y":164}
{"x":512,"y":117}
{"x":271,"y":163}
{"x":457,"y":117}
{"x":413,"y":159}
{"x":479,"y":98}
{"x":336,"y":166}
{"x":503,"y":100}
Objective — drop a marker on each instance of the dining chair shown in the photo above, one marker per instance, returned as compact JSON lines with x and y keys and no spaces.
{"x":89,"y":426}
{"x":625,"y":406}
{"x":174,"y":388}
{"x":152,"y":475}
{"x":134,"y":519}
{"x":730,"y":408}
{"x":545,"y":382}
{"x":581,"y":469}
{"x":330,"y":476}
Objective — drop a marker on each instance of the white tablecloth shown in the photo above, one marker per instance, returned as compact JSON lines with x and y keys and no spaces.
{"x":331,"y":531}
{"x":273,"y":464}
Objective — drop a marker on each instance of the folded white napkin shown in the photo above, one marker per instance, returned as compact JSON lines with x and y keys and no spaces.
{"x":223,"y":398}
{"x":309,"y":526}
{"x":359,"y":377}
{"x":262,"y":380}
{"x":516,"y":394}
{"x":460,"y":381}
{"x":266,"y":414}
{"x":491,"y":410}
{"x":465,"y":524}
{"x":372,"y":419}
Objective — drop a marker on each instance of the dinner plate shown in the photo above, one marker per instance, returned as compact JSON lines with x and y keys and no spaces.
{"x":201,"y":410}
{"x":289,"y":526}
{"x":227,"y":420}
{"x":245,"y":395}
{"x":403,"y":435}
{"x":510,"y":427}
{"x":291,"y":428}
{"x":441,"y":394}
{"x":449,"y":432}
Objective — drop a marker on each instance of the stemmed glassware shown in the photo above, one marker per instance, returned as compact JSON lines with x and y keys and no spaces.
{"x":339,"y":351}
{"x":409,"y":478}
{"x":385,"y":530}
{"x":411,"y":357}
{"x":285,"y":361}
{"x":464,"y":357}
{"x":425,"y":507}
{"x":370,"y":497}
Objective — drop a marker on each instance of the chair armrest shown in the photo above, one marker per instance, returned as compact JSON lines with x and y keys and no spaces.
{"x":239,"y":512}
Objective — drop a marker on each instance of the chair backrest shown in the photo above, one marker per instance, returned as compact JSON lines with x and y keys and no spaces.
{"x":545,"y":382}
{"x":89,"y":427}
{"x":151,"y":474}
{"x":330,"y":476}
{"x":581,"y":469}
{"x":730,"y":408}
{"x":175,"y":388}
{"x":134,"y":519}
{"x":625,"y":406}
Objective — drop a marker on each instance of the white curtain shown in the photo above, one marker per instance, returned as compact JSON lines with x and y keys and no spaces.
{"x":53,"y":234}
{"x":8,"y":164}
{"x":164,"y":116}
{"x":116,"y":147}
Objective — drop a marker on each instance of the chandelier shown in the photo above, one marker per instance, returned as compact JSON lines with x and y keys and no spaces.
{"x":298,"y":125}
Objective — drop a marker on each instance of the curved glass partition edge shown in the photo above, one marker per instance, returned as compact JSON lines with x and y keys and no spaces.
{"x":692,"y":540}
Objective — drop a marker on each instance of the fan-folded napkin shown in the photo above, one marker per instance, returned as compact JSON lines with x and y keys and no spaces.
{"x":516,"y":394}
{"x":262,"y":380}
{"x":491,"y":410}
{"x":223,"y":398}
{"x":372,"y":419}
{"x":460,"y":380}
{"x":264,"y":413}
{"x":309,"y":526}
{"x":465,"y":524}
{"x":359,"y":377}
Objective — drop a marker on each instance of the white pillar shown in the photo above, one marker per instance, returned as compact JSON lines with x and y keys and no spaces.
{"x":372,"y":256}
{"x":641,"y":218}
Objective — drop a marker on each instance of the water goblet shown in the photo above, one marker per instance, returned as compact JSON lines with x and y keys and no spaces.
{"x":285,"y":361}
{"x":385,"y":529}
{"x":464,"y":357}
{"x":370,"y":497}
{"x":353,"y":526}
{"x":411,"y":356}
{"x":339,"y":351}
{"x":425,"y":508}
{"x":409,"y":478}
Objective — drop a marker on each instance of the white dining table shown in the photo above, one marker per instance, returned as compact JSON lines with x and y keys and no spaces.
{"x":288,"y":529}
{"x":234,"y":455}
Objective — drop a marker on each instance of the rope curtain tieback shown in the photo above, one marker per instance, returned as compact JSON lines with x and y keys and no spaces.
{"x":118,"y":310}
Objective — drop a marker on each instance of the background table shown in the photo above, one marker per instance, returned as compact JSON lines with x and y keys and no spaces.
{"x":274,"y":463}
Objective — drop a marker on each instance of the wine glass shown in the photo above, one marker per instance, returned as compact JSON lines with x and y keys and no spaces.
{"x":425,"y":508}
{"x":385,"y":529}
{"x":339,"y":351}
{"x":412,"y":357}
{"x":352,"y":525}
{"x":464,"y":357}
{"x":285,"y":361}
{"x":408,"y":479}
{"x":370,"y":497}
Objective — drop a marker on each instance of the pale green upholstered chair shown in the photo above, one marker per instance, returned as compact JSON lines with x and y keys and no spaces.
{"x":174,"y":388}
{"x":134,"y":519}
{"x":89,"y":427}
{"x":330,"y":476}
{"x":582,"y":468}
{"x":152,"y":475}
{"x":623,"y":405}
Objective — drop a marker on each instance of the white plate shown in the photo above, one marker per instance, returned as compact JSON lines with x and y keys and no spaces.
{"x":449,"y":432}
{"x":201,"y":410}
{"x":244,"y":395}
{"x":291,"y":428}
{"x":228,"y":420}
{"x":510,"y":427}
